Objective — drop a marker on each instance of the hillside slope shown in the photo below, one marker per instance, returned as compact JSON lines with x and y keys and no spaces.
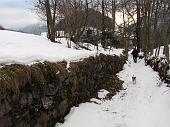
{"x":24,"y":48}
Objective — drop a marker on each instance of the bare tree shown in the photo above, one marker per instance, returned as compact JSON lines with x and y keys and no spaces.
{"x":167,"y":38}
{"x":114,"y":13}
{"x":50,"y":19}
{"x":48,"y":9}
{"x":138,"y":25}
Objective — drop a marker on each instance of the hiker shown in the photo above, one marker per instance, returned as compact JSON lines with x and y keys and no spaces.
{"x":135,"y":54}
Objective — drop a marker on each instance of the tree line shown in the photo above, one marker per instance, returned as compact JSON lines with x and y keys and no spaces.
{"x":144,"y":22}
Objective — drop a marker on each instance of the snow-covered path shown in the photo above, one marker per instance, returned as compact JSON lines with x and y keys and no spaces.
{"x":144,"y":104}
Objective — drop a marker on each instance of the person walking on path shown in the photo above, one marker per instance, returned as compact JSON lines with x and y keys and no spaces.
{"x":135,"y":54}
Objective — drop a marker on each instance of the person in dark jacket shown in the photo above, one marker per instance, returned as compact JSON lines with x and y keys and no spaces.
{"x":135,"y":54}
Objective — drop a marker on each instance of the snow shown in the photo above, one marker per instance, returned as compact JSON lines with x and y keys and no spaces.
{"x":24,"y":48}
{"x":144,"y":104}
{"x":64,"y":42}
{"x":111,"y":51}
{"x":161,"y":54}
{"x":168,"y":72}
{"x":102,"y":94}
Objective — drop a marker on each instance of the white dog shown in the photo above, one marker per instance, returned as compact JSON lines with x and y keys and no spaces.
{"x":134,"y":79}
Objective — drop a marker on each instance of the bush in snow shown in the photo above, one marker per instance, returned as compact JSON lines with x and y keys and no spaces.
{"x":160,"y":65}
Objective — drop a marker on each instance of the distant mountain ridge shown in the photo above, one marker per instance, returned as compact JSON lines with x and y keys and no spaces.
{"x":37,"y":29}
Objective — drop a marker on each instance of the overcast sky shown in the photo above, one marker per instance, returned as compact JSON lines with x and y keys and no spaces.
{"x":17,"y":13}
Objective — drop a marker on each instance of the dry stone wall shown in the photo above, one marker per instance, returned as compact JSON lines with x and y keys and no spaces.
{"x":42,"y":94}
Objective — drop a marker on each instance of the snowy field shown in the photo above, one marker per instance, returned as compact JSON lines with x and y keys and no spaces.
{"x":144,"y":104}
{"x":24,"y":48}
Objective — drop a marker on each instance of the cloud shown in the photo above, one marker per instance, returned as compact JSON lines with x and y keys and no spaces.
{"x":15,"y":14}
{"x":14,"y":3}
{"x":13,"y":17}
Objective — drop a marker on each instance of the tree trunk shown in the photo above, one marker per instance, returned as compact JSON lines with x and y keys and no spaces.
{"x":50,"y":22}
{"x":103,"y":25}
{"x":80,"y":33}
{"x":138,"y":25}
{"x":114,"y":14}
{"x":166,"y":47}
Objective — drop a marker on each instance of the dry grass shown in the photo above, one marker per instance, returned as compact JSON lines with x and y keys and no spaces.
{"x":14,"y":77}
{"x":37,"y":73}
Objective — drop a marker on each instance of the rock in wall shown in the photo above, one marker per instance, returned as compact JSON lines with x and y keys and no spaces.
{"x":42,"y":94}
